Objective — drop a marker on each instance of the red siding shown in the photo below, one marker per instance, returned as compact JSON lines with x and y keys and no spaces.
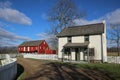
{"x":50,"y":51}
{"x":43,"y":48}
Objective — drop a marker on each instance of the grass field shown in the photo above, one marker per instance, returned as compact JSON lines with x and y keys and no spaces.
{"x":112,"y":54}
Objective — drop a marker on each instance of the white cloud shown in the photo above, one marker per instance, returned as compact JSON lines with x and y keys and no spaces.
{"x":45,"y":36}
{"x":9,"y":38}
{"x":111,"y":18}
{"x":13,"y":15}
{"x":5,"y":4}
{"x":84,"y":22}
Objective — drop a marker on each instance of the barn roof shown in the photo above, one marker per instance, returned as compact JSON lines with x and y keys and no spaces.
{"x":90,"y":29}
{"x":31,"y":43}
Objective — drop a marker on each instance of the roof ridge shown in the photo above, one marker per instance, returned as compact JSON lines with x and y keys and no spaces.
{"x":84,"y":25}
{"x":34,"y":40}
{"x":33,"y":43}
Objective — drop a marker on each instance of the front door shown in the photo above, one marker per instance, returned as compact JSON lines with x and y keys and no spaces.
{"x":77,"y":54}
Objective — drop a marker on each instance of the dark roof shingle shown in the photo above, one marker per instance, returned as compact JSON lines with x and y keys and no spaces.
{"x":70,"y":45}
{"x":90,"y":29}
{"x":31,"y":43}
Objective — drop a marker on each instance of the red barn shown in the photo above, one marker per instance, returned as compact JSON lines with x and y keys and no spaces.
{"x":38,"y":46}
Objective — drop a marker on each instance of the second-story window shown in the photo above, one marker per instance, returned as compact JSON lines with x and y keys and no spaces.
{"x":86,"y":38}
{"x":69,"y":39}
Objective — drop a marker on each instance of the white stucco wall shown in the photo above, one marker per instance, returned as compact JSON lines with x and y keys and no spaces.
{"x":61,"y":42}
{"x":95,"y":42}
{"x":81,"y":55}
{"x":73,"y":54}
{"x":78,"y":39}
{"x":104,"y":48}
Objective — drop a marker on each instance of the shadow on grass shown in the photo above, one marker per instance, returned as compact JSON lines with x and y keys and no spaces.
{"x":67,"y":71}
{"x":20,"y":70}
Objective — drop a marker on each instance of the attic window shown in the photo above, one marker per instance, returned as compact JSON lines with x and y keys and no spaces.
{"x":86,"y":38}
{"x":69,"y":39}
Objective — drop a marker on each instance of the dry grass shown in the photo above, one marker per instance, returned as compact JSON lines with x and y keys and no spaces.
{"x":112,"y":54}
{"x":47,"y":70}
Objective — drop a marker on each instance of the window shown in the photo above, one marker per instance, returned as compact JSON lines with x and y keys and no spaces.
{"x":28,"y":48}
{"x":36,"y":48}
{"x":24,"y":48}
{"x":91,"y":52}
{"x":69,"y":39}
{"x":67,"y":50}
{"x":44,"y":42}
{"x":86,"y":38}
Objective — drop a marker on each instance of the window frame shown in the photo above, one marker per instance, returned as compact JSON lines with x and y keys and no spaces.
{"x":69,"y":39}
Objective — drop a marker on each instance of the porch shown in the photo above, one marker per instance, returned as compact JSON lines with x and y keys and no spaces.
{"x":78,"y":52}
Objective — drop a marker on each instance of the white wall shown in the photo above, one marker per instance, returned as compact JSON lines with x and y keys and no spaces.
{"x":81,"y":55}
{"x":78,"y":39}
{"x":104,"y":48}
{"x":61,"y":43}
{"x":9,"y":71}
{"x":95,"y":42}
{"x":73,"y":54}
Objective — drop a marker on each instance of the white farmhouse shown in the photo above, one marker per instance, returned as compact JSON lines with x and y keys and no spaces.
{"x":83,"y":43}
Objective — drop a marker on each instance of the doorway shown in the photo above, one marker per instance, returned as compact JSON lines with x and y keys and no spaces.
{"x":77,"y":54}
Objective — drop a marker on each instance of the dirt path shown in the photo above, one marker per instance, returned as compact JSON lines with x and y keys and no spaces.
{"x":41,"y":70}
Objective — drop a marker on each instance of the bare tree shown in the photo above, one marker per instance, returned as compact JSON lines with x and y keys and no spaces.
{"x":8,"y":50}
{"x":115,"y":36}
{"x":63,"y":14}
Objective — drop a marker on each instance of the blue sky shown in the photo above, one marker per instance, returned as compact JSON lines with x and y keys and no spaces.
{"x":22,"y":20}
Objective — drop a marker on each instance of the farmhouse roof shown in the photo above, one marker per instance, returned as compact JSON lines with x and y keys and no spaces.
{"x":70,"y":45}
{"x":31,"y":43}
{"x":90,"y":29}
